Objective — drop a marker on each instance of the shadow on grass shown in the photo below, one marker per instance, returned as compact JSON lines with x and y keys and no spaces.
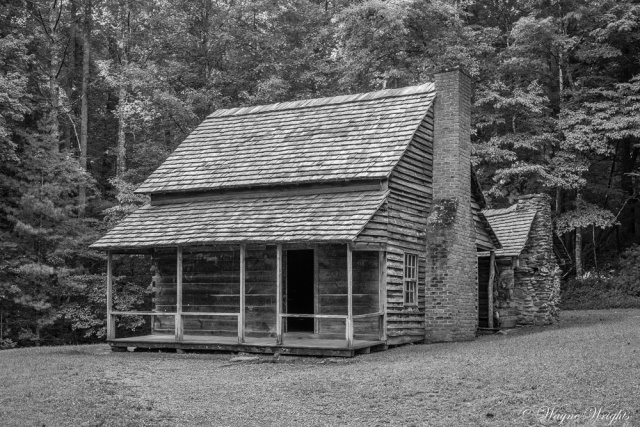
{"x":577,"y":319}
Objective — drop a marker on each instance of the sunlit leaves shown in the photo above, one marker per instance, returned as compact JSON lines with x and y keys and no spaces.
{"x":583,"y":216}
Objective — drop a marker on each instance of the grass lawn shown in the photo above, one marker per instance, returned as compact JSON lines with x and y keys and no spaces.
{"x":590,"y":359}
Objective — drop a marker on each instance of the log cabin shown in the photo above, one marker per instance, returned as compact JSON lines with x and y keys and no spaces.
{"x":332,"y":226}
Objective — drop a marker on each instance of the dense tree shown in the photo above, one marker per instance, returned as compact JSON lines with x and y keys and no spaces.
{"x":94,"y":95}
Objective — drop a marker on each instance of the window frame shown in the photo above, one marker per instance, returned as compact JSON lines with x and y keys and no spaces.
{"x":410,"y":279}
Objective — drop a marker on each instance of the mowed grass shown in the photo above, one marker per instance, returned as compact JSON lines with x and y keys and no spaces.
{"x":590,"y":359}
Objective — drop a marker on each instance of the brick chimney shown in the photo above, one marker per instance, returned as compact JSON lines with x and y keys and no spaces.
{"x":452,"y":268}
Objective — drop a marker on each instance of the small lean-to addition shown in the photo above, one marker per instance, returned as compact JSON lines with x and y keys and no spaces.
{"x":331,"y":226}
{"x":527,"y":269}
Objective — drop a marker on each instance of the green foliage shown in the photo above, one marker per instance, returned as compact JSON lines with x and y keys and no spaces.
{"x":585,"y":215}
{"x":443,"y":213}
{"x":618,"y":288}
{"x":127,"y":200}
{"x":393,"y":44}
{"x":627,"y":279}
{"x":556,"y":109}
{"x":594,"y":293}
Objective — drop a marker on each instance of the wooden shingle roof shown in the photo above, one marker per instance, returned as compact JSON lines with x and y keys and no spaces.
{"x":512,"y":226}
{"x":335,"y":217}
{"x":354,"y":137}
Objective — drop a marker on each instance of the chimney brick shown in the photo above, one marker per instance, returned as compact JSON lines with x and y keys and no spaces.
{"x":451,"y":312}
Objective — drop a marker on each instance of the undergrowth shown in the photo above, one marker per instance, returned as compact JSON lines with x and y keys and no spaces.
{"x":619,"y":288}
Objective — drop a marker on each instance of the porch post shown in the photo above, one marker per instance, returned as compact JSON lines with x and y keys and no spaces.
{"x":382,"y":296}
{"x":178,"y":322}
{"x":316,"y":289}
{"x":279,"y":295}
{"x":111,"y":320}
{"x":243,"y":251}
{"x":349,"y":322}
{"x":492,"y":273}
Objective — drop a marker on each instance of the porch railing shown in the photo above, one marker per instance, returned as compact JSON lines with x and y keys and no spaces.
{"x":348,"y":320}
{"x":240,"y":316}
{"x":179,"y":326}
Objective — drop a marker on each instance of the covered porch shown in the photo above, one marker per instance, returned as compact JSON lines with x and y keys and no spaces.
{"x":318,"y":299}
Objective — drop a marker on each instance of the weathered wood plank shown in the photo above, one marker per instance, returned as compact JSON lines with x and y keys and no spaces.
{"x":382,"y":298}
{"x":492,"y":272}
{"x":241,"y":316}
{"x":111,"y":321}
{"x":409,"y":204}
{"x":279,"y":295}
{"x":316,"y":289}
{"x":349,"y":324}
{"x":178,"y":321}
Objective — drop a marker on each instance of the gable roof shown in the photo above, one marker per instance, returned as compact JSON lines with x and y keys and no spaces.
{"x":354,"y":137}
{"x":266,"y":218}
{"x":512,"y":226}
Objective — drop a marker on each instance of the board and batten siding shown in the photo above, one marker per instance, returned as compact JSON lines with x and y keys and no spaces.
{"x":409,"y":203}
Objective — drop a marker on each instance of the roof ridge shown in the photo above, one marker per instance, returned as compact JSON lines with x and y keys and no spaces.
{"x":500,"y":211}
{"x":332,"y":100}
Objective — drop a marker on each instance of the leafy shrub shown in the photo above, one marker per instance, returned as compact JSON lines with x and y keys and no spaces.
{"x":6,"y":344}
{"x":628,"y":277}
{"x":618,"y":290}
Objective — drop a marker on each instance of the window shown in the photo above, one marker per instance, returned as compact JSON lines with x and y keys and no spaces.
{"x":410,"y":279}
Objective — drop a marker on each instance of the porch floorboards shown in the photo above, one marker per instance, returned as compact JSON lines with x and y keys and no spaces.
{"x":293,"y":345}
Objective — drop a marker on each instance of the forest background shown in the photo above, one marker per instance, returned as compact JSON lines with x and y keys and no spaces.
{"x":95,"y":94}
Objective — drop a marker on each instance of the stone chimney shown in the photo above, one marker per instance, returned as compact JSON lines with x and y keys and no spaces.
{"x":537,"y":277}
{"x":451,"y":312}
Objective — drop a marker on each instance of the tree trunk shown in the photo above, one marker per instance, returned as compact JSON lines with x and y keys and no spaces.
{"x":54,"y":86}
{"x":71,"y":75}
{"x":578,"y":248}
{"x":595,"y":255}
{"x":205,"y":41}
{"x":628,"y":158}
{"x":579,"y":270}
{"x":84,"y":114}
{"x":122,"y":149}
{"x":122,"y":91}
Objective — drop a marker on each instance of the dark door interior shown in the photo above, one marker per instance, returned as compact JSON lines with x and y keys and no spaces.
{"x":483,"y":292}
{"x":300,"y":289}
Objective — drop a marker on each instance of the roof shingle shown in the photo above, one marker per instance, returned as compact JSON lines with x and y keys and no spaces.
{"x":259,"y":219}
{"x":512,"y":226}
{"x":356,"y":137}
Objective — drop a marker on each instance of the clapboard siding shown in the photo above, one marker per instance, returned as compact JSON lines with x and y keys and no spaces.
{"x":376,"y":230}
{"x":483,"y":240}
{"x":409,"y":202}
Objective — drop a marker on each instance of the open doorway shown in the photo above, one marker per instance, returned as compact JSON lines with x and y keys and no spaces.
{"x":483,"y":292}
{"x":300,"y":289}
